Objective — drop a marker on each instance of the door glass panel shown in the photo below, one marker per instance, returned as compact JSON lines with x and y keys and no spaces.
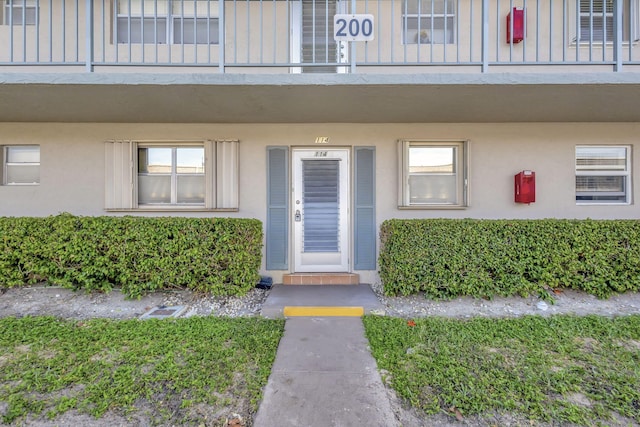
{"x":321,"y":198}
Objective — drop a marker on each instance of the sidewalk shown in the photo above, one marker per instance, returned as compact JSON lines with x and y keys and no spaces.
{"x":324,"y":376}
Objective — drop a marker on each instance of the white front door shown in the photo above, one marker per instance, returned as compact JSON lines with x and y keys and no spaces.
{"x":320,"y":210}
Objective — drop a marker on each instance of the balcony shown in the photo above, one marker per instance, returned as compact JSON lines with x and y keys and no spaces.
{"x":565,"y":60}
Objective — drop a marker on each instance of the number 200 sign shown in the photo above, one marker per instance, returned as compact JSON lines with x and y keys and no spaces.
{"x":352,"y":28}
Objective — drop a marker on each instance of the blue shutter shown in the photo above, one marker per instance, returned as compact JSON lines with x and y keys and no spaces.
{"x":365,"y":208}
{"x":277,"y":233}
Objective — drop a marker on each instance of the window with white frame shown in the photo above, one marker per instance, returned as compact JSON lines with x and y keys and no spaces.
{"x":167,"y":21}
{"x":20,"y":12}
{"x":172,"y":175}
{"x":428,"y":21}
{"x":433,"y":173}
{"x":21,"y":165}
{"x":597,"y":20}
{"x":603,"y":174}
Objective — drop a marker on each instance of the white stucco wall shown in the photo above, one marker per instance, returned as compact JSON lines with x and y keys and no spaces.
{"x":72,"y":165}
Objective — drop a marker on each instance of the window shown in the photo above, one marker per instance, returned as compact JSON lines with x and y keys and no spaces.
{"x":428,"y":21}
{"x":21,"y":165}
{"x":20,"y":12}
{"x":168,"y":176}
{"x":603,"y":174}
{"x":171,"y":175}
{"x":597,"y":20}
{"x":167,"y":21}
{"x":433,"y":173}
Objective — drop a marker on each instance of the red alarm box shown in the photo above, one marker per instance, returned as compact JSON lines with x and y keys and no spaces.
{"x":525,"y":187}
{"x":517,"y":15}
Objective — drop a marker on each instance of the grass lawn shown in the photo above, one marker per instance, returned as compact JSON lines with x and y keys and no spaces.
{"x":182,"y":371}
{"x":563,"y":369}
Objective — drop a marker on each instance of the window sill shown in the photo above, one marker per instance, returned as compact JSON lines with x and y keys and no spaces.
{"x":174,"y":209}
{"x":432,"y":207}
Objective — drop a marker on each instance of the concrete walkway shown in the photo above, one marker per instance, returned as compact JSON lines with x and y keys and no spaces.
{"x":324,"y":374}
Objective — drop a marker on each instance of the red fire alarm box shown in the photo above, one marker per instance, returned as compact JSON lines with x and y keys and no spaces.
{"x":517,"y":15}
{"x":525,"y":188}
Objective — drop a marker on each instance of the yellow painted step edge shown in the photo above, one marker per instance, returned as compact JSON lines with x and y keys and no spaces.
{"x":301,"y":311}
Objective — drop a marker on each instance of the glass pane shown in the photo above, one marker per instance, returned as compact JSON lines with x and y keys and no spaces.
{"x":428,"y":7}
{"x":154,"y":189}
{"x":190,"y":160}
{"x":202,"y":36}
{"x":601,"y":158}
{"x":16,"y":17}
{"x":23,"y":154}
{"x":154,"y":160}
{"x":437,"y":34}
{"x":155,"y":30}
{"x":203,"y":8}
{"x":191,"y":189}
{"x":600,"y":183}
{"x":321,"y":207}
{"x":432,"y":189}
{"x":432,"y":160}
{"x":23,"y":174}
{"x":137,"y":7}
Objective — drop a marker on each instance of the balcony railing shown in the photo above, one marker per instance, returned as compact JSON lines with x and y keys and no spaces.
{"x":298,"y":35}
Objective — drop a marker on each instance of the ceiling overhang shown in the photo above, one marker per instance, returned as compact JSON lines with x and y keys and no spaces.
{"x":290,"y":98}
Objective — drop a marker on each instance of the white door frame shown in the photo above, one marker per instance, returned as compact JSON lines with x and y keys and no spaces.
{"x":320,"y":261}
{"x":295,"y":31}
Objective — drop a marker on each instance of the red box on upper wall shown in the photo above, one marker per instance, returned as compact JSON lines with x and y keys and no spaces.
{"x":517,"y":15}
{"x":525,"y":187}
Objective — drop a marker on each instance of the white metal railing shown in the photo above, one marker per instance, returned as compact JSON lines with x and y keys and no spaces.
{"x":298,"y":35}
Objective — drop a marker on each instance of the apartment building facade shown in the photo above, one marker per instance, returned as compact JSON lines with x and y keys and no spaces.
{"x":321,"y":118}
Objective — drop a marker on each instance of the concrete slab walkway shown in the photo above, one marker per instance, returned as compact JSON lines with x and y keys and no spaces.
{"x":324,"y":376}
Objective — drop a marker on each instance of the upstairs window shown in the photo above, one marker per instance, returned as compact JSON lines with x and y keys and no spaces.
{"x":20,"y":12}
{"x":21,"y":165}
{"x":597,"y":20}
{"x":167,"y":21}
{"x":433,"y":174}
{"x":603,"y":174}
{"x":428,"y":21}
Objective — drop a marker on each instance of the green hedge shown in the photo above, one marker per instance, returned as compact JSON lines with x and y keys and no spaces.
{"x":220,"y":256}
{"x":484,"y":258}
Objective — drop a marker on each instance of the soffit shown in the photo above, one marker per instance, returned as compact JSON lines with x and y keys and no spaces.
{"x":359,"y":98}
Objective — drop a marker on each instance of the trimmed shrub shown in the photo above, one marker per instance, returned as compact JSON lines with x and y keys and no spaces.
{"x":446,"y":258}
{"x":220,"y":256}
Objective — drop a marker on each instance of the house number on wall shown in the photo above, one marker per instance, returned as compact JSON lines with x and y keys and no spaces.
{"x":321,"y":154}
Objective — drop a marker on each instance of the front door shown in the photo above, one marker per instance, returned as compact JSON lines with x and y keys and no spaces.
{"x":320,"y":210}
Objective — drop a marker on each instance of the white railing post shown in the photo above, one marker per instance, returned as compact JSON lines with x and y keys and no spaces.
{"x":89,"y":36}
{"x":618,"y":27}
{"x":352,"y":45}
{"x":221,"y":40}
{"x":485,"y":36}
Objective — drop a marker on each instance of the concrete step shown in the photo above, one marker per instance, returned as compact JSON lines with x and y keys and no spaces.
{"x":321,"y":279}
{"x":321,"y":301}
